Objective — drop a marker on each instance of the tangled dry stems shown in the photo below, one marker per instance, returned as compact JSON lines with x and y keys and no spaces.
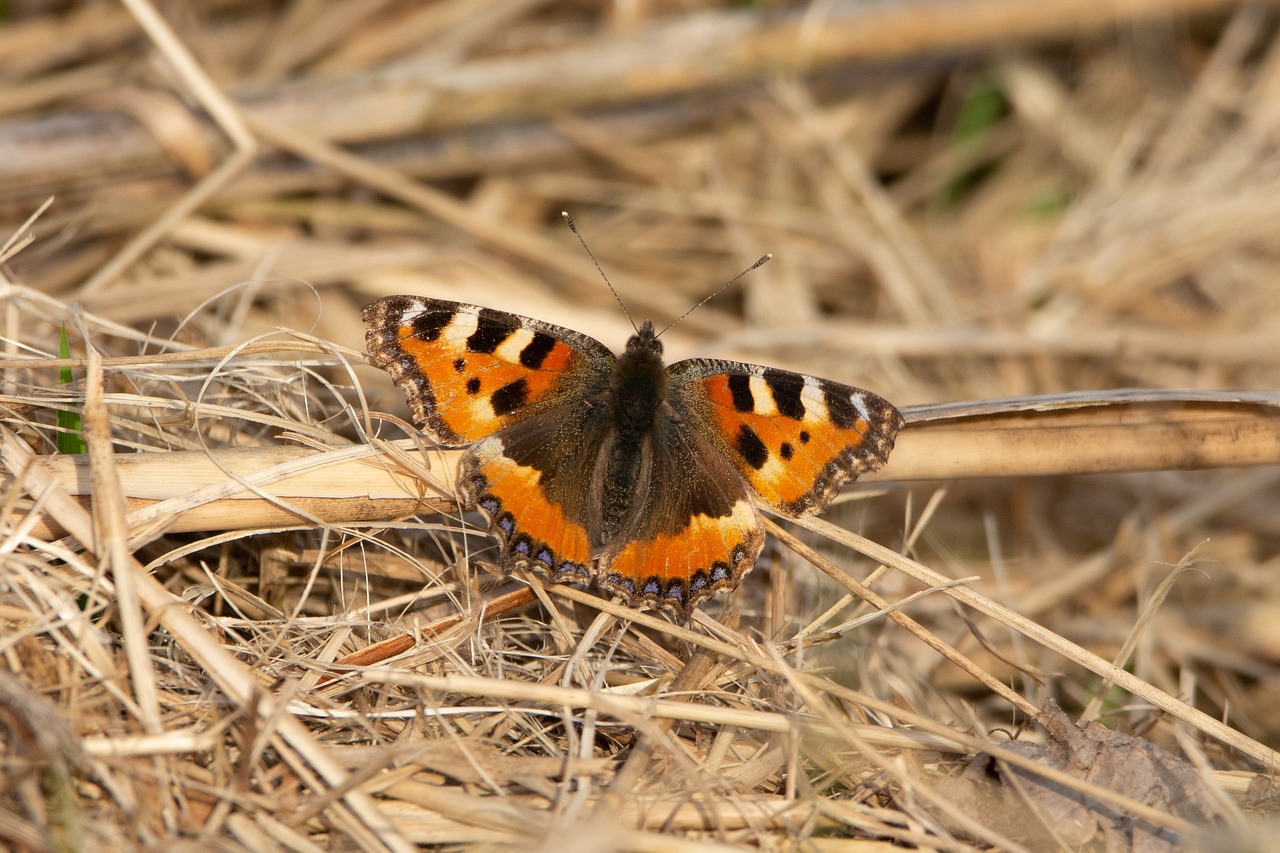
{"x":165,"y":684}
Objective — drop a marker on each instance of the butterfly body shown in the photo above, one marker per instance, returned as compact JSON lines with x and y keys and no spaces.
{"x":619,"y":469}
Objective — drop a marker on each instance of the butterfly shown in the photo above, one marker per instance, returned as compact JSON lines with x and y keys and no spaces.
{"x":642,"y":477}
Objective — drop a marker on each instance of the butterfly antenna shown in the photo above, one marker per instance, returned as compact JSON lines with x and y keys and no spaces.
{"x":568,"y":220}
{"x":764,"y":260}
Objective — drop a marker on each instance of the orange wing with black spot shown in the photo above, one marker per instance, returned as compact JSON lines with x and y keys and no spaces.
{"x":517,"y":391}
{"x":795,"y":439}
{"x":469,"y":371}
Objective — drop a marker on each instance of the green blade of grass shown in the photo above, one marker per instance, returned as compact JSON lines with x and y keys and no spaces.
{"x":983,"y":107}
{"x":70,"y":441}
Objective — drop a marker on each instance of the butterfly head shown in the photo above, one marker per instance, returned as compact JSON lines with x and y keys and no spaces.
{"x":645,"y":340}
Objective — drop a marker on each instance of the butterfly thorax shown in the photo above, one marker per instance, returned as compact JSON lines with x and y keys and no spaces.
{"x":638,"y":385}
{"x":637,"y":395}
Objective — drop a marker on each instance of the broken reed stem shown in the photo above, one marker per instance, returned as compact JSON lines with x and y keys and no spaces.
{"x":191,"y":491}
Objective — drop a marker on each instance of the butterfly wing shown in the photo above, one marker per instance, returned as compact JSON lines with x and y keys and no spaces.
{"x":533,"y":482}
{"x":693,"y":528}
{"x":521,"y":392}
{"x":795,"y":439}
{"x":470,"y":371}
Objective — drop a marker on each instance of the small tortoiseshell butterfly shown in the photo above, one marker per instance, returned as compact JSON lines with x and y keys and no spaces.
{"x":620,"y":469}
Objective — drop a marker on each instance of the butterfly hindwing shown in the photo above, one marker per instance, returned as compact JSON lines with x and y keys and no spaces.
{"x":692,"y":530}
{"x":795,"y":439}
{"x":532,"y":481}
{"x":469,"y":371}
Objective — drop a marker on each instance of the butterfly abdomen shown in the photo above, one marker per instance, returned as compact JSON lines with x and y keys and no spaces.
{"x":637,"y":392}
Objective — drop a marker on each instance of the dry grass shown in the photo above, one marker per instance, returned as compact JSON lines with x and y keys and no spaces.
{"x":268,"y":627}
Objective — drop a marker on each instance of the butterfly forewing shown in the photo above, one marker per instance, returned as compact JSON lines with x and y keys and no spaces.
{"x":794,"y":438}
{"x":469,"y":371}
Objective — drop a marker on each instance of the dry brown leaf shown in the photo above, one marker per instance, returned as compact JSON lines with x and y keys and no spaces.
{"x":1046,"y":815}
